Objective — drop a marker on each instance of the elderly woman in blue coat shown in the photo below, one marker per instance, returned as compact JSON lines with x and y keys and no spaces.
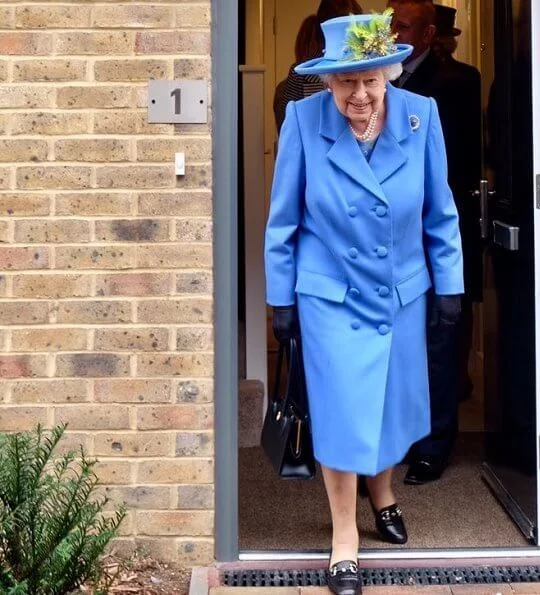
{"x":362,"y":224}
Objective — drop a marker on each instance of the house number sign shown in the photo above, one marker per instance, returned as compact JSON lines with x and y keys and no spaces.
{"x":177,"y":102}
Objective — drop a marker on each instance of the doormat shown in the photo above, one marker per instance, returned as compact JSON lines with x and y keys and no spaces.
{"x":476,"y":575}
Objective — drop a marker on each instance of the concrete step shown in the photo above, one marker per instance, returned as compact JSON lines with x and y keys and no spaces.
{"x":250,"y":412}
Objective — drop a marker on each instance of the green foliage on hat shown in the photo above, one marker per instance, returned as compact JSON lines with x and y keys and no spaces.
{"x":371,"y":39}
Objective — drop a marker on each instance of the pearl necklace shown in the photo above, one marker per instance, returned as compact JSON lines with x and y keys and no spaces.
{"x":370,"y":128}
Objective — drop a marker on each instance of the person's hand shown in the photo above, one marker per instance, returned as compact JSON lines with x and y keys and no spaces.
{"x":445,"y":310}
{"x":285,"y":323}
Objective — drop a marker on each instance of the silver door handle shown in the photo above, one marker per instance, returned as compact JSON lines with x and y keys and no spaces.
{"x":484,"y":193}
{"x":506,"y":236}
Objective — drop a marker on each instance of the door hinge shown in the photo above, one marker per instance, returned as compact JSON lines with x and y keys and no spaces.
{"x":274,"y":26}
{"x":538,"y":191}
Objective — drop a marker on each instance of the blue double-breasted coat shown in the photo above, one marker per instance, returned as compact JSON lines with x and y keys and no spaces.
{"x":356,"y":246}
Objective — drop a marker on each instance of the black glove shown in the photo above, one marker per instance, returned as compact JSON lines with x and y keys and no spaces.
{"x":285,"y":323}
{"x":445,"y":310}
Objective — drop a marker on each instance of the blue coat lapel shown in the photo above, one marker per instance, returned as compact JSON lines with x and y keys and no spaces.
{"x":387,"y":156}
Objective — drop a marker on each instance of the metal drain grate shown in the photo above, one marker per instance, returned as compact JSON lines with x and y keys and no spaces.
{"x":387,"y":576}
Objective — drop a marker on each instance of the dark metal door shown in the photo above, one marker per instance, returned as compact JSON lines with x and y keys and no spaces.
{"x":507,"y":198}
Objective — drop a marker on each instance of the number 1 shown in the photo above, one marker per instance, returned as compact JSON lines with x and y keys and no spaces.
{"x":177,"y":94}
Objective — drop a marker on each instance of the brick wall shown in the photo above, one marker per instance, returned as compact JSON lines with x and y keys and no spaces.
{"x":106,"y":285}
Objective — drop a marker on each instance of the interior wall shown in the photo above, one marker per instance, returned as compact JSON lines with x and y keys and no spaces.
{"x":254,"y":38}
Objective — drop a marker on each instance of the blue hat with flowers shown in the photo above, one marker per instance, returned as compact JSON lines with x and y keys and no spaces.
{"x":357,"y":42}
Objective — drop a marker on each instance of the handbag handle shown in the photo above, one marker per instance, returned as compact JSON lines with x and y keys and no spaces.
{"x":281,"y":354}
{"x":295,"y":373}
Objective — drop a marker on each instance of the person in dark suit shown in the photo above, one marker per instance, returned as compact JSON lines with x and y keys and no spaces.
{"x":432,"y":71}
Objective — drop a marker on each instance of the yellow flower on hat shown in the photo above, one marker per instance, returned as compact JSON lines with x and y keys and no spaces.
{"x":371,"y":39}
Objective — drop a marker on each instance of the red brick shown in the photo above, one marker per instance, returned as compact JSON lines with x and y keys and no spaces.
{"x":180,"y":204}
{"x":159,"y":364}
{"x":133,"y":284}
{"x":130,"y":70}
{"x":30,"y":231}
{"x":173,"y":42}
{"x":178,"y":256}
{"x":103,"y":96}
{"x":135,"y":176}
{"x":49,"y":391}
{"x":24,"y":204}
{"x":178,"y":310}
{"x":92,"y":365}
{"x":128,"y":122}
{"x":195,"y":497}
{"x":138,"y":497}
{"x":194,"y":230}
{"x":194,"y":338}
{"x":195,"y":444}
{"x":192,"y":68}
{"x":131,"y":339}
{"x":6,"y":177}
{"x":51,"y":286}
{"x":34,"y":70}
{"x":93,"y":312}
{"x":93,"y":417}
{"x":196,"y":177}
{"x":176,"y":522}
{"x":175,"y":471}
{"x":96,"y":149}
{"x":137,"y":230}
{"x":194,"y":282}
{"x":137,"y":16}
{"x":114,"y":472}
{"x":88,"y":204}
{"x":22,"y":366}
{"x":24,"y":313}
{"x":94,"y":42}
{"x":21,"y":419}
{"x":49,"y":339}
{"x":74,"y":441}
{"x":135,"y":444}
{"x":195,"y":391}
{"x":50,"y":17}
{"x":175,"y":417}
{"x":25,"y":42}
{"x":53,"y":177}
{"x":110,"y":390}
{"x":23,"y":258}
{"x":95,"y":257}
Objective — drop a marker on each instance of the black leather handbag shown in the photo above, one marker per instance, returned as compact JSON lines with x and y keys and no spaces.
{"x":286,"y":433}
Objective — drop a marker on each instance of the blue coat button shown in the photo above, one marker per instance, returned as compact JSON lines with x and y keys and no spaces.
{"x":382,"y":252}
{"x":353,"y":211}
{"x":383,"y":291}
{"x":353,"y":252}
{"x":353,"y":292}
{"x":380,"y":211}
{"x":383,"y":329}
{"x":355,"y":325}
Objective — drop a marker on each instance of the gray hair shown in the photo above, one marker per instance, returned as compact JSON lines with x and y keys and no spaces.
{"x":390,"y":73}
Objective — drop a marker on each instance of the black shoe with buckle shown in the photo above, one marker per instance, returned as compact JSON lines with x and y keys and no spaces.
{"x":390,"y":524}
{"x":343,"y":578}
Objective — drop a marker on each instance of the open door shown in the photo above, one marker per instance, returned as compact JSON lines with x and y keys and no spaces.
{"x":507,"y":225}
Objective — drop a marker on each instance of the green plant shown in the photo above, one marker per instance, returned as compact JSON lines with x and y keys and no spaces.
{"x":52,"y":527}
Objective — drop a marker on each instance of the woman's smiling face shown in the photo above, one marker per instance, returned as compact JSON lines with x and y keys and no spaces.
{"x":358,"y":94}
